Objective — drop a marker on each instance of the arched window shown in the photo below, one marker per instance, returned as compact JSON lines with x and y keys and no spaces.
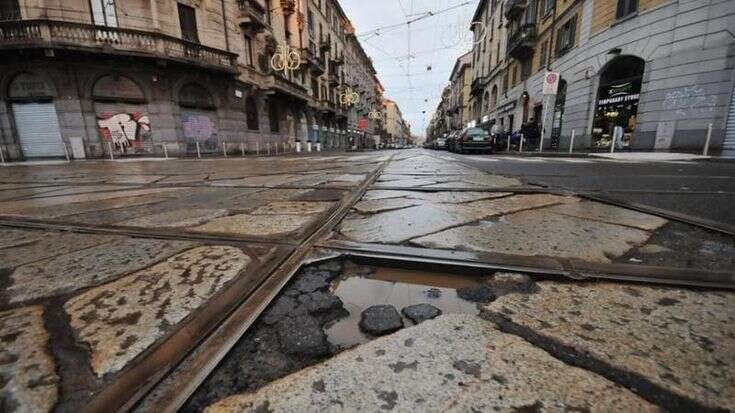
{"x":274,"y":116}
{"x":494,"y":97}
{"x":117,"y":88}
{"x":251,"y":113}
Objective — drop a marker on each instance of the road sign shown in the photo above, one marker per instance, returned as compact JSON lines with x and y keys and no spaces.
{"x":362,"y":124}
{"x":551,"y":83}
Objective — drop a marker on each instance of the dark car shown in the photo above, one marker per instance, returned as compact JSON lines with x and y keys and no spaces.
{"x":474,"y":139}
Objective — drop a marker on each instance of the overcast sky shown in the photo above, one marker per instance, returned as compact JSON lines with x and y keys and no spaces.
{"x":436,"y":41}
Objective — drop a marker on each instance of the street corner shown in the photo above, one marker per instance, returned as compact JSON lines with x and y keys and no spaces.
{"x":119,"y":320}
{"x":673,"y":346}
{"x":453,"y":362}
{"x":28,"y":379}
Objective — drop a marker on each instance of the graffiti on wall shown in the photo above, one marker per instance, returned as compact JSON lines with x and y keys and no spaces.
{"x":123,"y":129}
{"x":690,"y":101}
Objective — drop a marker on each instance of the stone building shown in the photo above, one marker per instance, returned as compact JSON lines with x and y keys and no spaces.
{"x":397,"y":130}
{"x":459,"y":94}
{"x":90,"y":77}
{"x":662,"y":70}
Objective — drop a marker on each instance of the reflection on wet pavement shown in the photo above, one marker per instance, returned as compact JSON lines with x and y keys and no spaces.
{"x":397,"y":287}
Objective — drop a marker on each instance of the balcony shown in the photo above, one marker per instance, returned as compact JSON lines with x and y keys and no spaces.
{"x":312,"y":59}
{"x":514,"y":8}
{"x":521,"y":43}
{"x":49,"y":34}
{"x":253,"y":16}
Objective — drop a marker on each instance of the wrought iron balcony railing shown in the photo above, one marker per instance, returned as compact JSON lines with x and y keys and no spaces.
{"x":110,"y":40}
{"x":253,"y":14}
{"x":522,"y":41}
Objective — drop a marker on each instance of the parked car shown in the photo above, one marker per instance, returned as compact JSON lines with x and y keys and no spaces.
{"x":440,"y":143}
{"x":452,"y":141}
{"x":474,"y":139}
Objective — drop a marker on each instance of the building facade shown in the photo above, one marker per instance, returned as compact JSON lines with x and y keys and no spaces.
{"x":397,"y":130}
{"x":90,"y":78}
{"x":662,"y":70}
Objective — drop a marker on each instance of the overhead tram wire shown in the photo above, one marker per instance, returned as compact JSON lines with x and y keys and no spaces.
{"x":421,"y":16}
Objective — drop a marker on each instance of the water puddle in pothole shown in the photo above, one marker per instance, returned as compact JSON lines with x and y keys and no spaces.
{"x":363,"y":287}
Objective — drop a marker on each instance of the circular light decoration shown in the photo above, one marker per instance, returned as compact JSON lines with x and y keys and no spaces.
{"x":286,"y":58}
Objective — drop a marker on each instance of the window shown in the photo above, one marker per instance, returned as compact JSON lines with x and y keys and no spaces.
{"x":251,"y":113}
{"x":9,"y":10}
{"x":248,"y":56}
{"x":268,"y":11}
{"x":532,"y":11}
{"x":310,"y":23}
{"x":103,"y":12}
{"x":626,"y":8}
{"x":513,"y":78}
{"x":188,"y":23}
{"x":543,"y":55}
{"x":549,"y":6}
{"x":565,"y":36}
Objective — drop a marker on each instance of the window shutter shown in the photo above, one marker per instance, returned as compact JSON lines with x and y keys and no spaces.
{"x":621,"y":9}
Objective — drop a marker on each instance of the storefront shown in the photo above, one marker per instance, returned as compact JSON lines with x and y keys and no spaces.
{"x":36,"y":123}
{"x":123,"y":121}
{"x":617,"y":101}
{"x":198,"y":119}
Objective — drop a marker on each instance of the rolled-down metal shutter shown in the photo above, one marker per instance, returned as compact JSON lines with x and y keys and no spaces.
{"x":38,"y":130}
{"x":729,"y":144}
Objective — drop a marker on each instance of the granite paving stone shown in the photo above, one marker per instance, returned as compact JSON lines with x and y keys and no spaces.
{"x":611,"y":214}
{"x":121,"y":319}
{"x":28,"y":380}
{"x":453,"y":363}
{"x":88,"y":267}
{"x":180,"y":218}
{"x":49,"y":244}
{"x":540,"y":233}
{"x":682,"y":340}
{"x":256,"y":225}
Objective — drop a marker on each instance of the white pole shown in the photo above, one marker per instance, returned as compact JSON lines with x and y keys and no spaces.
{"x":242,"y":149}
{"x":706,"y":142}
{"x":269,"y":148}
{"x":165,"y":151}
{"x":509,"y":136}
{"x":571,"y":142}
{"x":520,"y":148}
{"x":199,"y":153}
{"x":257,"y":148}
{"x":109,"y":147}
{"x":224,"y":148}
{"x":2,"y":156}
{"x":543,"y":125}
{"x":612,"y":145}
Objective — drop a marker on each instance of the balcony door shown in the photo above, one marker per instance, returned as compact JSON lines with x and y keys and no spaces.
{"x":188,"y":22}
{"x":104,"y":12}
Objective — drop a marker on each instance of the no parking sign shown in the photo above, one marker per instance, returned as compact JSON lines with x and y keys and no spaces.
{"x":551,"y":83}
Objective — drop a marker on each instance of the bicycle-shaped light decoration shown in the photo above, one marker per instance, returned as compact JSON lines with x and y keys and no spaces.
{"x":285,"y":59}
{"x":348,"y":97}
{"x":374,"y":115}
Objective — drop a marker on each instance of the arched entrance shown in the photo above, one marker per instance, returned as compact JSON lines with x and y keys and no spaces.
{"x":198,"y":118}
{"x":34,"y":116}
{"x":122,"y":119}
{"x":617,"y":100}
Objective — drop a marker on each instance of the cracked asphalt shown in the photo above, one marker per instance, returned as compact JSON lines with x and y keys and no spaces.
{"x":103,"y":264}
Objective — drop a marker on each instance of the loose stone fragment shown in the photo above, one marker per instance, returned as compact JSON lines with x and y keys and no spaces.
{"x":121,"y":319}
{"x":380,"y":320}
{"x":320,"y":302}
{"x":480,"y":294}
{"x":309,"y":283}
{"x":303,"y":336}
{"x":421,"y":312}
{"x":28,"y":380}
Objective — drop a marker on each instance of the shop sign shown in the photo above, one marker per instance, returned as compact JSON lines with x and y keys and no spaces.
{"x":619,"y":99}
{"x":362,"y":124}
{"x":507,"y":107}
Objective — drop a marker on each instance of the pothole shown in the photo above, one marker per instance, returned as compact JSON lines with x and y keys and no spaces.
{"x":318,"y":314}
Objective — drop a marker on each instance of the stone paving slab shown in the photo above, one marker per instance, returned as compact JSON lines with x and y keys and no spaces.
{"x":611,"y":214}
{"x":452,"y":363}
{"x":73,"y":208}
{"x":88,"y":267}
{"x":28,"y":380}
{"x":121,"y":319}
{"x":256,"y":225}
{"x":540,"y":233}
{"x":16,"y":206}
{"x":180,"y":218}
{"x":292,"y":208}
{"x":46,"y":244}
{"x":680,"y":340}
{"x":380,"y":205}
